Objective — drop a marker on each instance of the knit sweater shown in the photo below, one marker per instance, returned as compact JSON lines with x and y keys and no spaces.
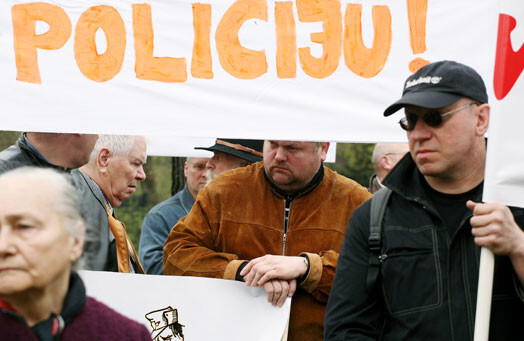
{"x":82,"y":318}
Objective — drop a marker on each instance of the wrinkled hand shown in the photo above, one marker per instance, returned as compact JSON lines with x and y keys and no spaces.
{"x":262,"y":269}
{"x":278,"y":290}
{"x":494,"y":227}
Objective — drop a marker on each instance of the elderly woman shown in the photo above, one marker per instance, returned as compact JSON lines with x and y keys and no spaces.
{"x":41,"y":238}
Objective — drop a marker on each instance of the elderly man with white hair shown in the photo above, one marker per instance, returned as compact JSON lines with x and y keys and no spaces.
{"x":112,"y":174}
{"x":41,"y":296}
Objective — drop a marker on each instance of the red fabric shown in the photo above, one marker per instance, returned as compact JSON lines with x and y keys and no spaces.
{"x":5,"y":305}
{"x":96,"y":322}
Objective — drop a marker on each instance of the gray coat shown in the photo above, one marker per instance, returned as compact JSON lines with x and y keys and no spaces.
{"x":97,"y":243}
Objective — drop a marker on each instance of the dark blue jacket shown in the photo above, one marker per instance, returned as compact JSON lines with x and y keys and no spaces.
{"x":156,"y":227}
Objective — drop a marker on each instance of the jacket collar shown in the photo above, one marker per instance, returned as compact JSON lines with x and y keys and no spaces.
{"x":74,"y":302}
{"x":34,"y":155}
{"x":187,"y":199}
{"x":51,"y":328}
{"x":406,"y":180}
{"x":317,"y":179}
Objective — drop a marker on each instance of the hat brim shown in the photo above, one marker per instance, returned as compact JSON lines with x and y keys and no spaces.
{"x":228,"y":150}
{"x":426,"y":99}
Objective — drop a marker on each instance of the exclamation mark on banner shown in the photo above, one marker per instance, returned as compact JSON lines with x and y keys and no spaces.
{"x":417,"y":10}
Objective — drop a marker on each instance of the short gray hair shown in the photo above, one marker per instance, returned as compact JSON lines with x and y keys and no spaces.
{"x":66,"y":203}
{"x":117,"y":144}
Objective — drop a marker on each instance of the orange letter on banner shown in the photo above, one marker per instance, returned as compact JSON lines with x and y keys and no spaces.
{"x":286,"y":40}
{"x":235,"y":59}
{"x":363,"y":61}
{"x":162,"y":69}
{"x":201,"y":63}
{"x":100,"y":67}
{"x":26,"y":41}
{"x":327,"y":11}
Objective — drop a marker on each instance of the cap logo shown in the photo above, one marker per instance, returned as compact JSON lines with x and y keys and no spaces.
{"x":427,"y":80}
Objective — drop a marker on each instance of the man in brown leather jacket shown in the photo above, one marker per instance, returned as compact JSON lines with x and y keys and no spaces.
{"x":278,"y":224}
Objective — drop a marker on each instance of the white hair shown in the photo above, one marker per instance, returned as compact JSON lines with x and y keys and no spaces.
{"x":117,"y":144}
{"x":65,"y":199}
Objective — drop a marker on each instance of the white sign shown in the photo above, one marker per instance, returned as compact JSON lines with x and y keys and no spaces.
{"x":505,"y":161}
{"x":504,"y":178}
{"x":202,"y":308}
{"x":319,"y":70}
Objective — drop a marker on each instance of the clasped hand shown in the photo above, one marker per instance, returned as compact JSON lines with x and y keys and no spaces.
{"x":276,"y":274}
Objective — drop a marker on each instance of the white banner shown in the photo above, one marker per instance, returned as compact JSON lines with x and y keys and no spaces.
{"x":504,"y":178}
{"x":202,"y":308}
{"x":505,"y":162}
{"x":305,"y":69}
{"x":185,"y":146}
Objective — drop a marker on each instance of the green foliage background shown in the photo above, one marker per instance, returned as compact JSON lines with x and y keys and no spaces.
{"x":353,"y":160}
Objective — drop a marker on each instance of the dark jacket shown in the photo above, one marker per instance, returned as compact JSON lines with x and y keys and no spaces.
{"x":93,"y":211}
{"x":239,"y":216}
{"x":21,"y":154}
{"x":81,"y":318}
{"x":156,"y":227}
{"x":427,"y":287}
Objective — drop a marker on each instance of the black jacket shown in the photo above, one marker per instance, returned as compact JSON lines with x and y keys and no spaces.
{"x":427,"y":287}
{"x":20,"y":155}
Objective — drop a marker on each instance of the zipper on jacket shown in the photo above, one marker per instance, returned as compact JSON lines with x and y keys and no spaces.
{"x":287,"y":208}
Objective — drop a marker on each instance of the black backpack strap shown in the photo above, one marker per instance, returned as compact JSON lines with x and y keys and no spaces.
{"x":378,"y":208}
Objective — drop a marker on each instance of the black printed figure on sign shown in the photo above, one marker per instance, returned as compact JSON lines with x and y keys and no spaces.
{"x":164,"y":323}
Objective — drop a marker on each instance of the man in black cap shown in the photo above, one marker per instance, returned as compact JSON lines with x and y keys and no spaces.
{"x":417,"y":276}
{"x":232,"y":153}
{"x":158,"y":222}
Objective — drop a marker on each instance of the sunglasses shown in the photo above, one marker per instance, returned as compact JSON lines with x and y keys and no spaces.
{"x":431,"y":118}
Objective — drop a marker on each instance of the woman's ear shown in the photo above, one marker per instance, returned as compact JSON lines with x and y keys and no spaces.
{"x":77,"y":241}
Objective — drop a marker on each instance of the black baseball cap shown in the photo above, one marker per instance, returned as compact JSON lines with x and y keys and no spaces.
{"x":250,"y":150}
{"x":440,"y":84}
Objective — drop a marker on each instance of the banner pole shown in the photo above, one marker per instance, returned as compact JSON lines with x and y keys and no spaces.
{"x":484,"y":295}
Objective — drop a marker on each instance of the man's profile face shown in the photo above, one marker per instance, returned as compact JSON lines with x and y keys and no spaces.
{"x":290,"y":164}
{"x":442,"y":151}
{"x":195,"y":173}
{"x":221,"y":162}
{"x":125,"y":171}
{"x":35,"y":249}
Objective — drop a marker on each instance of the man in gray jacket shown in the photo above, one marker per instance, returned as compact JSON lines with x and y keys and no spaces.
{"x":110,"y":177}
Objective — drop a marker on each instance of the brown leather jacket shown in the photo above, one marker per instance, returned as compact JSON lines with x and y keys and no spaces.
{"x":238,"y":217}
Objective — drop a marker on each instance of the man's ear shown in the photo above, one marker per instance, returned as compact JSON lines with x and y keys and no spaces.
{"x":102,"y":159}
{"x":384,"y":163}
{"x":77,"y":242}
{"x":482,"y":119}
{"x":185,"y":169}
{"x":324,"y":147}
